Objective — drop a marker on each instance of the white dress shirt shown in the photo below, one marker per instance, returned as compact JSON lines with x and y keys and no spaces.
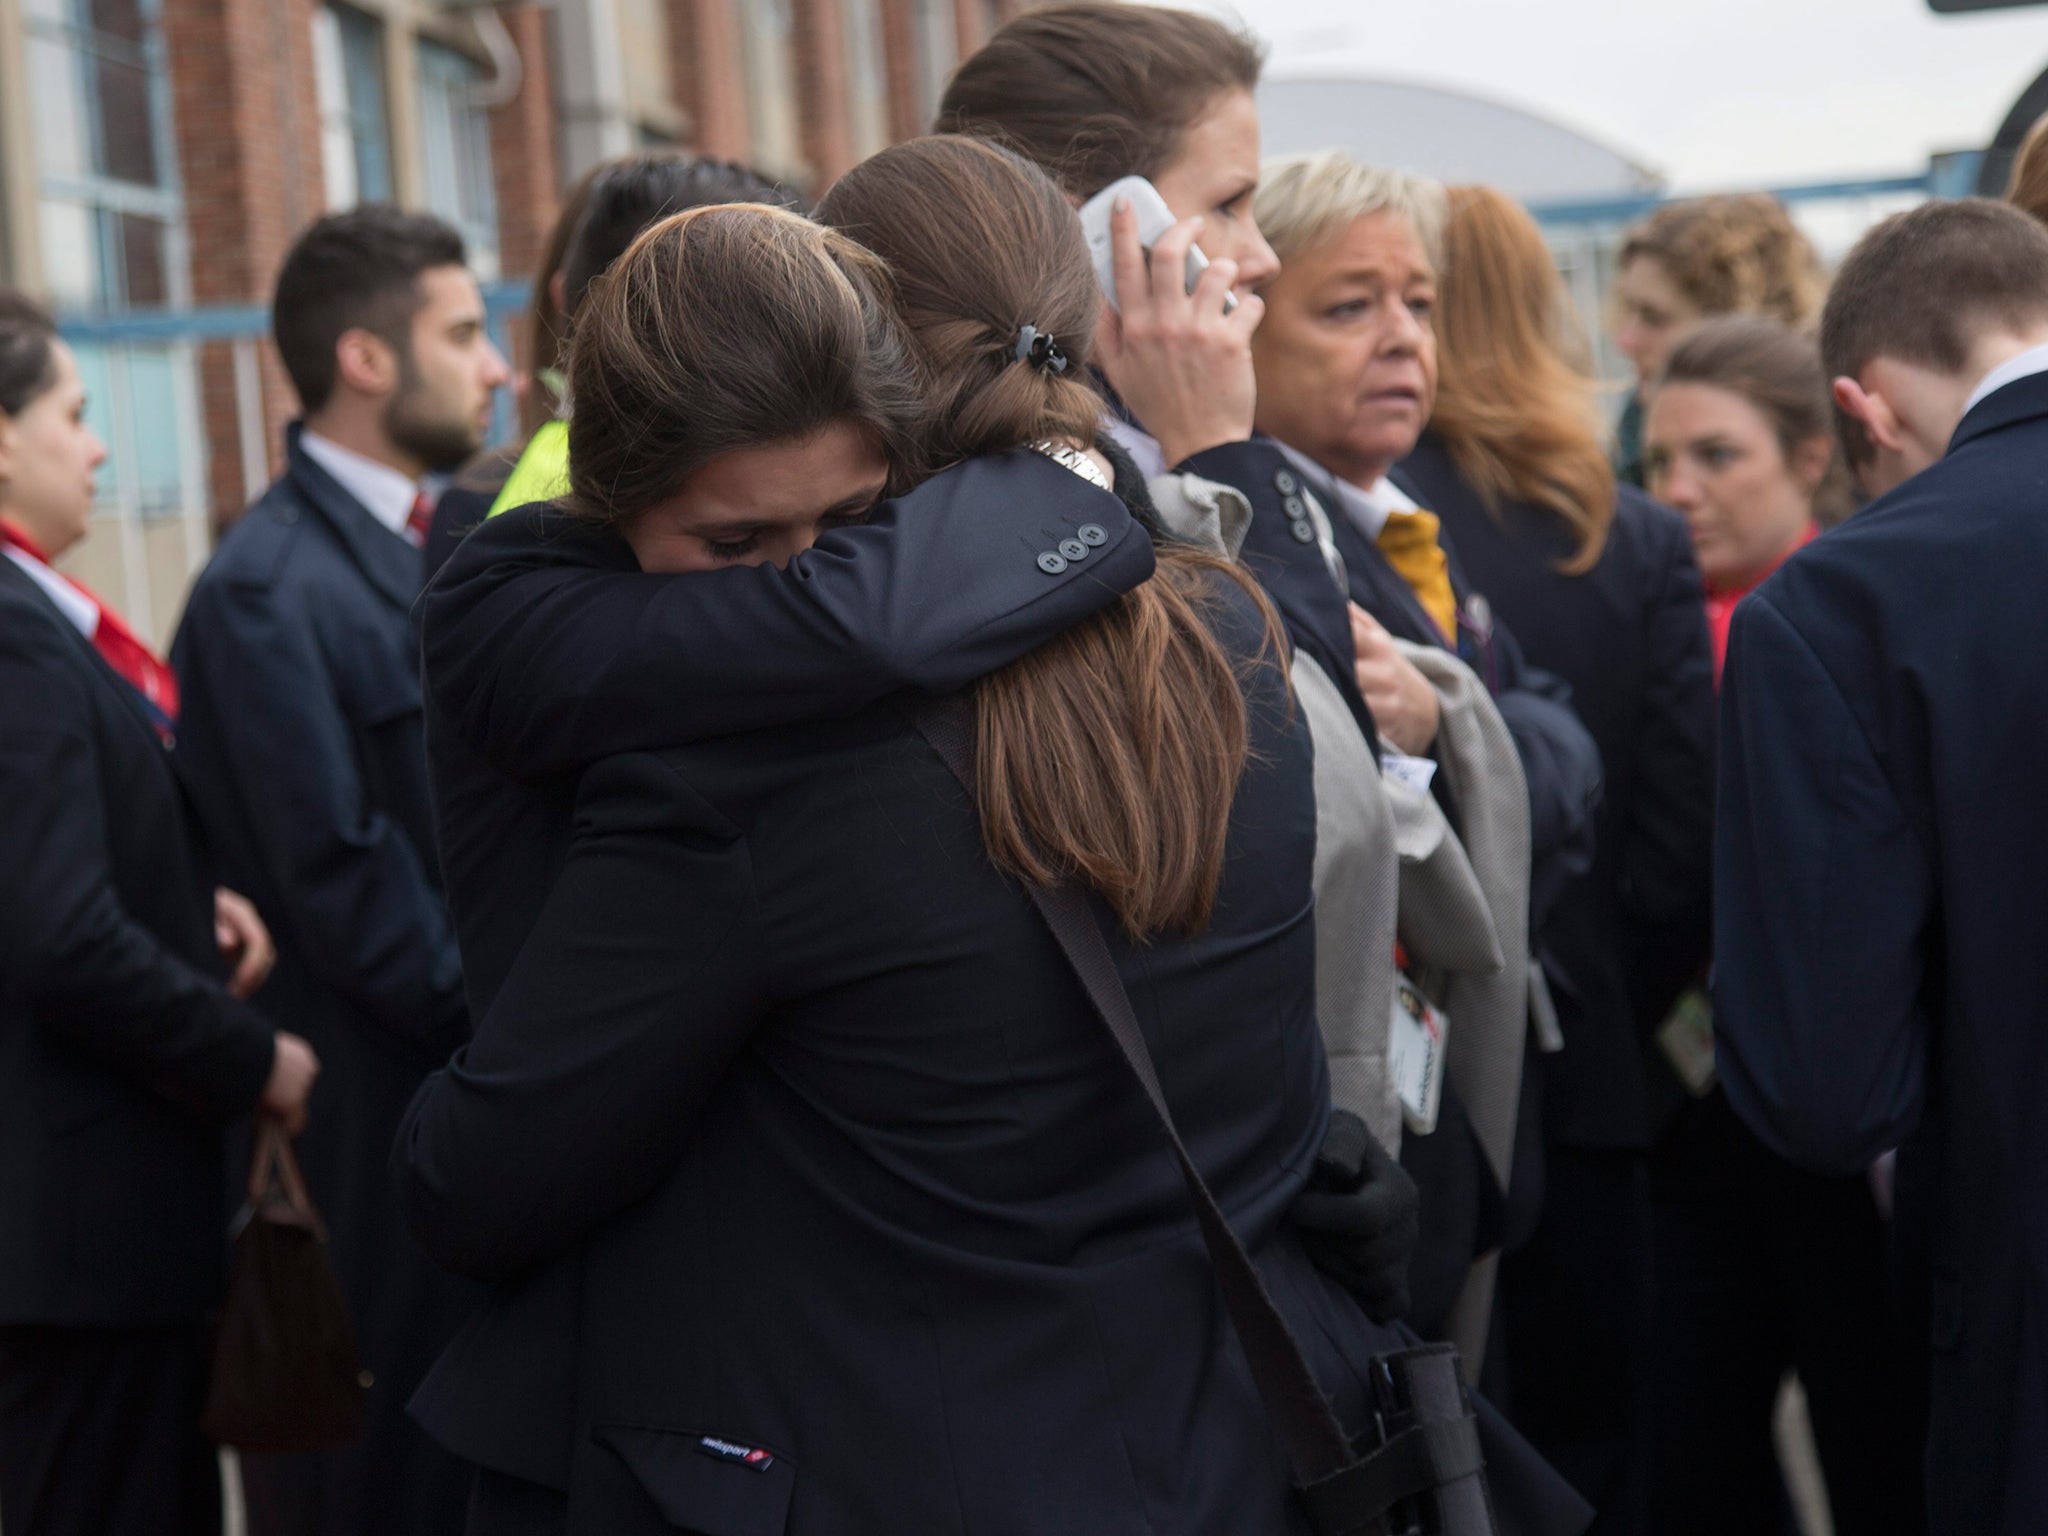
{"x":81,"y":610}
{"x":2032,"y":361}
{"x":1141,"y":445}
{"x":385,"y":493}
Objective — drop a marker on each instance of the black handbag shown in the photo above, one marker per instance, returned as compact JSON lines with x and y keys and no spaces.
{"x":285,"y":1375}
{"x":1422,"y":1472}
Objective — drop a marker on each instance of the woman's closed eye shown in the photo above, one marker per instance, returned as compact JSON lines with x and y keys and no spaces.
{"x":734,"y":549}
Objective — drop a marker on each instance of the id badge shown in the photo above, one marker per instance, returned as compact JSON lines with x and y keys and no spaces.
{"x":1415,"y":1055}
{"x":1415,"y":772}
{"x":1687,"y":1040}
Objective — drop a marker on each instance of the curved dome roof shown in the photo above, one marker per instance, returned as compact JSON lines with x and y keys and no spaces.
{"x":1445,"y":134}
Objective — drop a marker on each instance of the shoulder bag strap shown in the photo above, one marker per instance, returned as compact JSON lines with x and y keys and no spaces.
{"x":1316,"y":1445}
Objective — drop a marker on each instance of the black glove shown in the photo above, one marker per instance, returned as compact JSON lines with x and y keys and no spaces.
{"x":1359,"y":1217}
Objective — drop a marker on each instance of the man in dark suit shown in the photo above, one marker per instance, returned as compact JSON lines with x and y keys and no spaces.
{"x":303,"y":735}
{"x":125,"y":1045}
{"x":1879,"y":905}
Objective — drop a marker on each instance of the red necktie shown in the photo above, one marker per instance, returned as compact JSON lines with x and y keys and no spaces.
{"x":418,"y":520}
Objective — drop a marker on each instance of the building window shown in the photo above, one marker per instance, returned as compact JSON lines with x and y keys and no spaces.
{"x":766,"y":28}
{"x":355,"y":128}
{"x":455,"y":144}
{"x":867,"y":78}
{"x":112,"y":225}
{"x":109,"y":207}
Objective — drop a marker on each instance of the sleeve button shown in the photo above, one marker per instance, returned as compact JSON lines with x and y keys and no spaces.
{"x":1051,"y":563}
{"x":1073,"y":549}
{"x":1285,"y":483}
{"x":1303,"y":533}
{"x":1294,"y":507}
{"x":1092,"y":535}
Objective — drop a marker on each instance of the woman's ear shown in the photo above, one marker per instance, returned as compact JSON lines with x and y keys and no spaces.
{"x":7,"y":452}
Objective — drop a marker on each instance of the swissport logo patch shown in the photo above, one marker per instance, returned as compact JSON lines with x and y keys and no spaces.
{"x":749,"y":1456}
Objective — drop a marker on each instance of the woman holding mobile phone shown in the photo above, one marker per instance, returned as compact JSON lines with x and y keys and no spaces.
{"x":1095,"y":92}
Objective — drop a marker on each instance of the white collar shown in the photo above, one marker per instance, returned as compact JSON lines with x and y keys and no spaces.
{"x":2032,"y":361}
{"x":1367,"y":508}
{"x":1141,"y":445}
{"x":80,"y":610}
{"x":385,"y":493}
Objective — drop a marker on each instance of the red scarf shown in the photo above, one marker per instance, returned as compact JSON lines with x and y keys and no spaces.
{"x":1721,"y":600}
{"x":114,"y":640}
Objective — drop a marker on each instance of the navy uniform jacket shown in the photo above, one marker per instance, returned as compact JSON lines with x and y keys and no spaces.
{"x":547,"y":649}
{"x":885,"y":1238}
{"x":1559,"y":759}
{"x":1881,"y":908}
{"x":1463,"y":1213}
{"x":303,"y":740}
{"x":122,"y":1057}
{"x":1630,"y":637}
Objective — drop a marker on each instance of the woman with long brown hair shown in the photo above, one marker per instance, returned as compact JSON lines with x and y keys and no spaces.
{"x":873,"y":1228}
{"x":1599,"y":585}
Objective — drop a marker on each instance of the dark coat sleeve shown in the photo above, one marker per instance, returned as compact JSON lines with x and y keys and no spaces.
{"x":1314,"y":607}
{"x":635,"y":990}
{"x":1823,"y":900}
{"x":1560,"y":765}
{"x":1666,"y":870}
{"x":546,"y":654}
{"x":364,"y":914}
{"x":94,"y":976}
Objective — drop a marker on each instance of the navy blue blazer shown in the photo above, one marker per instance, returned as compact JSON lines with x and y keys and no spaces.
{"x":1289,"y":564}
{"x":122,"y":1057}
{"x":889,"y":1208}
{"x":1630,"y":638}
{"x":1880,"y":908}
{"x":547,"y":649}
{"x":302,"y":738}
{"x":885,"y":1239}
{"x":1559,"y":759}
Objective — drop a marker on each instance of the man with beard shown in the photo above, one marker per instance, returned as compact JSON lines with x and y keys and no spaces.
{"x":301,"y":740}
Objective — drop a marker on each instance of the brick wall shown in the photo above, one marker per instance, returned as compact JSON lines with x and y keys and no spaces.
{"x":709,"y":77}
{"x":523,"y":164}
{"x":822,"y":105}
{"x":899,"y":58}
{"x":248,"y":133}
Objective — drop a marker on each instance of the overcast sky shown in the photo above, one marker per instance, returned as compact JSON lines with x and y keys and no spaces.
{"x":1712,"y":93}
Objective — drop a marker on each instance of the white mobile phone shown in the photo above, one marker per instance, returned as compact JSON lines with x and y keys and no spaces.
{"x":1154,"y":220}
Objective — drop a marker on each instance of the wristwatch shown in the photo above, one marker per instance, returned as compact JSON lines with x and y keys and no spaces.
{"x":1072,"y":458}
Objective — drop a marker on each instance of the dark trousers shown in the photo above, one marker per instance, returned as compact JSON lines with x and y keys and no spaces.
{"x":1574,"y":1331}
{"x":99,"y":1433}
{"x":1764,"y":1268}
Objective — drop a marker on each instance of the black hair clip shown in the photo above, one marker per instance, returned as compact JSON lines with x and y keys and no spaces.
{"x":1040,"y":350}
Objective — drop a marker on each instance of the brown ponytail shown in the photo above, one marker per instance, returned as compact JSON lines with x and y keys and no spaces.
{"x":1110,"y":754}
